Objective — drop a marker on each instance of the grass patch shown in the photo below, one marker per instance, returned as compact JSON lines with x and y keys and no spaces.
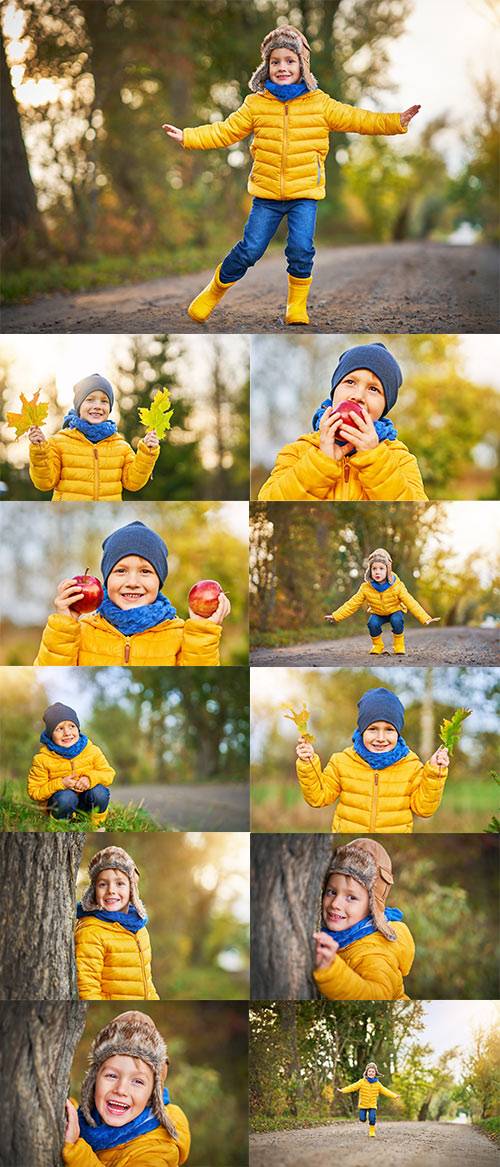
{"x":306,"y":1118}
{"x":287,"y":637}
{"x":490,"y":1127}
{"x":17,"y":813}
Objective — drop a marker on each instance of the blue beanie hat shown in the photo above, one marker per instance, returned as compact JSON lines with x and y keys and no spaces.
{"x":135,"y":539}
{"x":377,"y":358}
{"x":56,"y":713}
{"x":380,"y":705}
{"x":91,"y":384}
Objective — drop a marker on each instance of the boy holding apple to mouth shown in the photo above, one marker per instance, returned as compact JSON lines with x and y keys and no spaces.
{"x":353,"y":453}
{"x":88,"y":459}
{"x":69,"y":773}
{"x":135,"y":623}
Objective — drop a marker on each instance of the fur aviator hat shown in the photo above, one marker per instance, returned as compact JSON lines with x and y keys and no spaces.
{"x":368,"y":862}
{"x":114,"y":857}
{"x":134,"y":1035}
{"x":286,"y":37}
{"x":380,"y":555}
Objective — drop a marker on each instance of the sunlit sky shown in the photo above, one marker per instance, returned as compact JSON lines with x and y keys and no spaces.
{"x":451,"y":1023}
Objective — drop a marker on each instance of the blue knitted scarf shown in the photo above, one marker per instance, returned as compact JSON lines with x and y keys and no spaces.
{"x":363,"y":928}
{"x":65,"y":751}
{"x":380,"y":761}
{"x":370,"y":1079}
{"x":287,"y":92}
{"x":385,"y":430}
{"x":130,"y":920}
{"x":102,"y":1136}
{"x":382,"y":585}
{"x":136,"y":619}
{"x":95,"y":432}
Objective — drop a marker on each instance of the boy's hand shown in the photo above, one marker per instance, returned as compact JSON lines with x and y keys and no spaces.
{"x":328,"y":429}
{"x":222,"y":610}
{"x":440,"y":758}
{"x":82,"y":783}
{"x":326,"y":949}
{"x":68,"y":592}
{"x":151,"y":440}
{"x":362,"y":435}
{"x":72,"y":1132}
{"x":36,"y":436}
{"x":304,"y":750}
{"x":409,"y":114}
{"x":433,"y":620}
{"x":69,"y":782}
{"x":175,"y":133}
{"x":331,"y":619}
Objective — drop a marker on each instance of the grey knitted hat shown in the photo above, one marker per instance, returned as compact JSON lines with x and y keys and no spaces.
{"x":369,"y":863}
{"x":134,"y":1035}
{"x":380,"y":555}
{"x":285,"y":37}
{"x":91,"y":384}
{"x":56,"y":713}
{"x":119,"y":860}
{"x":135,"y":539}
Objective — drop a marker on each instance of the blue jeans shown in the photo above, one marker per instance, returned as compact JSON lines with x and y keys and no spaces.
{"x":63,"y":803}
{"x":396,"y":620}
{"x":262,"y":223}
{"x":372,"y":1116}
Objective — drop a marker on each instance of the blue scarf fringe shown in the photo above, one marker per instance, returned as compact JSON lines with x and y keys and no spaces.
{"x":130,"y":920}
{"x":380,"y":761}
{"x":65,"y":751}
{"x":96,"y":432}
{"x":385,"y":430}
{"x":137,"y":619}
{"x":363,"y":928}
{"x":286,"y":92}
{"x":102,"y":1136}
{"x":383,"y":585}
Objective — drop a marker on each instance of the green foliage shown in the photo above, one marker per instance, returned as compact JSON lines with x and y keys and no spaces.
{"x":493,"y":827}
{"x":475,"y":190}
{"x":451,"y":728}
{"x":481,"y":1078}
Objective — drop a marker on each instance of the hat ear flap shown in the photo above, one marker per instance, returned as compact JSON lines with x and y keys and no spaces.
{"x":87,"y":1095}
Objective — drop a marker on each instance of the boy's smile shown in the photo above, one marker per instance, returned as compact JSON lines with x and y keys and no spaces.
{"x":380,"y":737}
{"x":132,"y":583}
{"x":378,"y":572}
{"x":65,"y":734}
{"x":345,"y":902}
{"x":284,"y":67}
{"x":95,"y":407}
{"x":112,"y":890}
{"x":364,"y":387}
{"x":123,"y":1089}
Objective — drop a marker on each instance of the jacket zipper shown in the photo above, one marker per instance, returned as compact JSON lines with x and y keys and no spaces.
{"x":127,"y":652}
{"x":283,"y":156}
{"x":96,"y":474}
{"x":375,"y":800}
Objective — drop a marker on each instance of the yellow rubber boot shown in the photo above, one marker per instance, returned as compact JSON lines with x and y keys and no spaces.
{"x":97,"y":819}
{"x":377,"y":646}
{"x":203,"y":305}
{"x":398,"y":644}
{"x":371,"y":1131}
{"x":296,"y":305}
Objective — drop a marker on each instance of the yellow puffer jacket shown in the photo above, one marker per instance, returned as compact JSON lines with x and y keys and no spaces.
{"x":156,"y":1149}
{"x":368,"y":1093}
{"x":388,"y":473}
{"x":48,"y":770}
{"x":379,"y":801}
{"x":112,"y":964}
{"x":370,"y":969}
{"x":291,"y":139}
{"x":397,"y":598}
{"x":77,"y":470}
{"x":93,"y":641}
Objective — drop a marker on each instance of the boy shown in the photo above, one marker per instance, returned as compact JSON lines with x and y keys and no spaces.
{"x":112,"y":946}
{"x":69,"y":773}
{"x":290,"y":119}
{"x":386,"y":598}
{"x":379,"y":782}
{"x":88,"y":459}
{"x":369,"y":1089}
{"x":135,"y":623}
{"x":358,"y":459}
{"x":359,"y":955}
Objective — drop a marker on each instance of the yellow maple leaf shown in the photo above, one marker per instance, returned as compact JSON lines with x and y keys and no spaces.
{"x":157,"y":417}
{"x":32,"y":413}
{"x":300,"y":718}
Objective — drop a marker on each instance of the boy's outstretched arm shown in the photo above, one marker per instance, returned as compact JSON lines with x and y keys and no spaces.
{"x":348,"y":119}
{"x":216,"y":134}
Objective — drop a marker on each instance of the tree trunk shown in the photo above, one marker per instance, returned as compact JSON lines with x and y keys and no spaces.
{"x":286,"y":877}
{"x":37,"y":1043}
{"x":19,"y":211}
{"x":38,"y":878}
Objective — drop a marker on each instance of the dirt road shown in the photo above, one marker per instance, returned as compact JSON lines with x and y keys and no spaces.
{"x":404,"y":287}
{"x":424,"y":646}
{"x":396,"y":1144}
{"x":221,"y":806}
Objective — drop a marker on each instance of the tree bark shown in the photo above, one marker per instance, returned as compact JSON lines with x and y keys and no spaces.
{"x":286,"y":877}
{"x":38,"y":878}
{"x":19,"y":210}
{"x":37,"y":1043}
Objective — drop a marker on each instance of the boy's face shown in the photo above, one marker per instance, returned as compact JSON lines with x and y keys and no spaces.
{"x":371,"y":1070}
{"x":112,"y":890}
{"x":364,"y":387}
{"x":345,"y":902}
{"x":378,"y":572}
{"x":284,"y":67}
{"x":95,"y":407}
{"x":123,"y":1088}
{"x":132,"y":583}
{"x":65,"y":734}
{"x":380,"y":737}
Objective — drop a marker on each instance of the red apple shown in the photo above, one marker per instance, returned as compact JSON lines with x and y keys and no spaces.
{"x":92,"y":593}
{"x":204,"y":597}
{"x":345,"y":408}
